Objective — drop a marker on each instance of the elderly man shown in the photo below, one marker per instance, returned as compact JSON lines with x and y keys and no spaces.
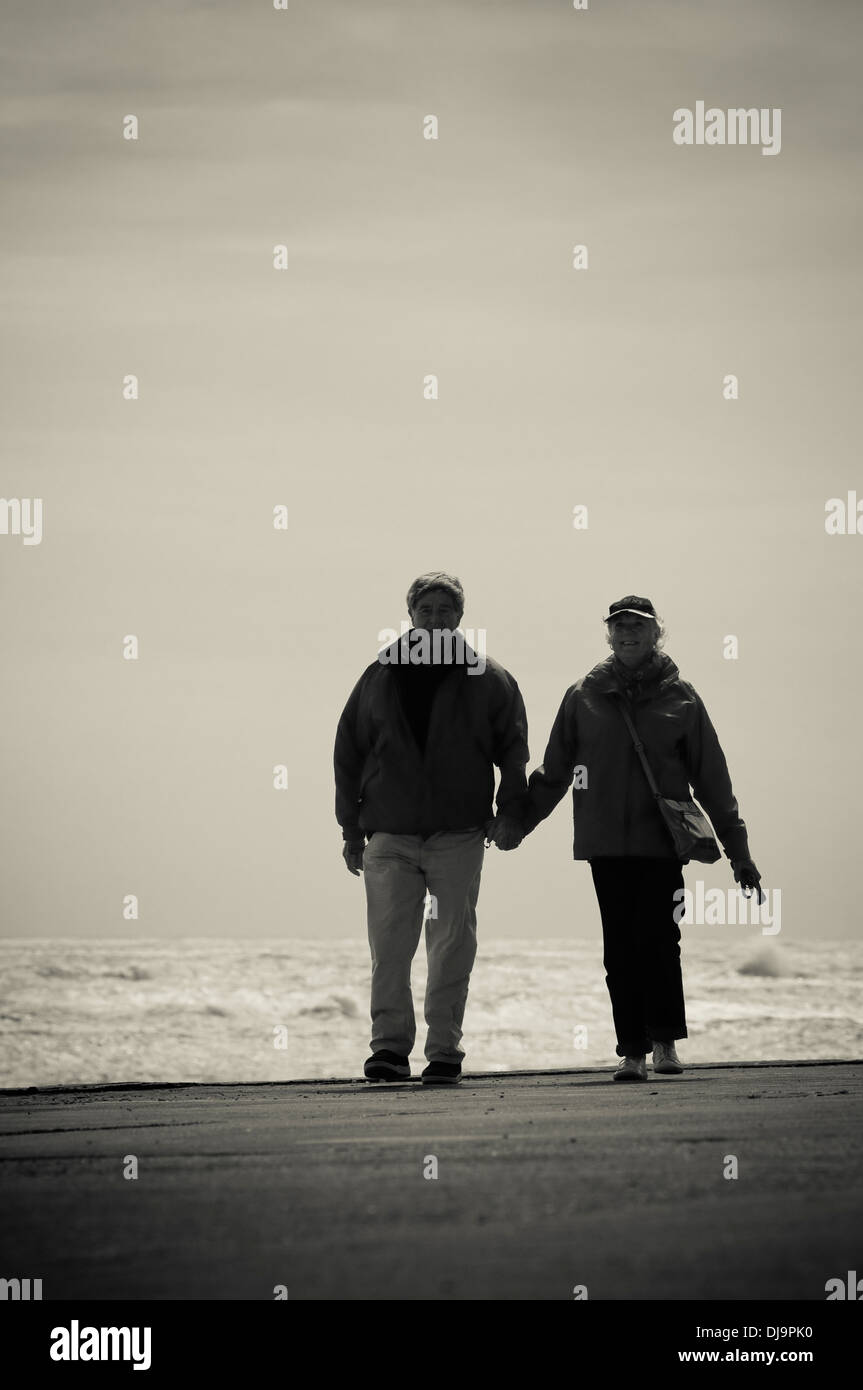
{"x":415,"y":753}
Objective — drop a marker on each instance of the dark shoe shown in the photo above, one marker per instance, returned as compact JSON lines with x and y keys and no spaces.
{"x":387,"y":1066}
{"x":665,"y":1059}
{"x":442,"y":1074}
{"x":631,"y":1069}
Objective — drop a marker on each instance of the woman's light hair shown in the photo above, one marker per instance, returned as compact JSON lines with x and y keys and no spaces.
{"x":659,"y":631}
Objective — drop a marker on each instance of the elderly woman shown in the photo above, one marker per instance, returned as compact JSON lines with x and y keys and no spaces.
{"x":619,"y":829}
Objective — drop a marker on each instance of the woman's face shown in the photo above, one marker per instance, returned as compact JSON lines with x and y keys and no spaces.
{"x":632,"y":638}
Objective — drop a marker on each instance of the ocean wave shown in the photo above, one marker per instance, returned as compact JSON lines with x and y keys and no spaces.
{"x":195,"y":1009}
{"x":767,"y":963}
{"x":62,"y":972}
{"x":336,"y":1004}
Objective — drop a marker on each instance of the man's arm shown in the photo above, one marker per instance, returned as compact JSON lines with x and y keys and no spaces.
{"x":511,"y":753}
{"x":348,"y":760}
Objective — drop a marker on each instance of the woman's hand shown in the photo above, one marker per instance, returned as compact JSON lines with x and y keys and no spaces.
{"x":746,"y":874}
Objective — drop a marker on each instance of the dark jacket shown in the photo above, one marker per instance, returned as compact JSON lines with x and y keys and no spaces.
{"x":383,"y":780}
{"x":615,"y":812}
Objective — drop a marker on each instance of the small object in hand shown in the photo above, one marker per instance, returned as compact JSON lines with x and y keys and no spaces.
{"x":747,"y":875}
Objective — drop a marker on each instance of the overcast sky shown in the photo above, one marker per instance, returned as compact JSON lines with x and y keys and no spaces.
{"x":600,"y":387}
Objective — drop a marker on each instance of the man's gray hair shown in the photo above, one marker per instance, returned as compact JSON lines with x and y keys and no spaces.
{"x":436,"y":579}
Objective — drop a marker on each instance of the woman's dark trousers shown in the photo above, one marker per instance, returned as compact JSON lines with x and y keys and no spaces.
{"x":641,"y":949}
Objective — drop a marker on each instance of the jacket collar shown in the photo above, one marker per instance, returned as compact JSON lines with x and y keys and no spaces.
{"x":610,"y":677}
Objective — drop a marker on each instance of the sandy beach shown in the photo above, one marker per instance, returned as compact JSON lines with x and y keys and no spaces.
{"x":545,"y":1182}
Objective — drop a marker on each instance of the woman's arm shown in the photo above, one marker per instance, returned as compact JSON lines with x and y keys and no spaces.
{"x":549,"y":782}
{"x":711,"y":783}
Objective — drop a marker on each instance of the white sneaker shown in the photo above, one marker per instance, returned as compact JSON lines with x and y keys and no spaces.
{"x":631,"y":1069}
{"x":665,"y":1059}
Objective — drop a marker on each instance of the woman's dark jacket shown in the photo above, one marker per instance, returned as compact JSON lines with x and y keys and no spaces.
{"x":614,"y":809}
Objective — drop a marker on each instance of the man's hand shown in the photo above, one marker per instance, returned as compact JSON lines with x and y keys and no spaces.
{"x":506,"y":832}
{"x":746,"y":874}
{"x":353,"y":855}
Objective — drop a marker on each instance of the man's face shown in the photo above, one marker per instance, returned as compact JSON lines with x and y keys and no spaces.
{"x":435,"y":608}
{"x":632,"y":638}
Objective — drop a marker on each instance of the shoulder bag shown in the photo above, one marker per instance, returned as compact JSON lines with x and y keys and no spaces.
{"x":688,"y":826}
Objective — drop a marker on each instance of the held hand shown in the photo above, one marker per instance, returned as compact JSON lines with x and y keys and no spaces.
{"x":746,"y":874}
{"x":506,"y":832}
{"x":353,"y":855}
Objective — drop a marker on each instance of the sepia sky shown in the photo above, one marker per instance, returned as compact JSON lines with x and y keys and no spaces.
{"x":600,"y":387}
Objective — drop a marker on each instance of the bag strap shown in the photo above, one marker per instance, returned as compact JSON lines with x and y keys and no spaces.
{"x":639,"y":748}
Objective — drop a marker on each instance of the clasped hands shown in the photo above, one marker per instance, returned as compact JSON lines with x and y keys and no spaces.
{"x":504,"y":831}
